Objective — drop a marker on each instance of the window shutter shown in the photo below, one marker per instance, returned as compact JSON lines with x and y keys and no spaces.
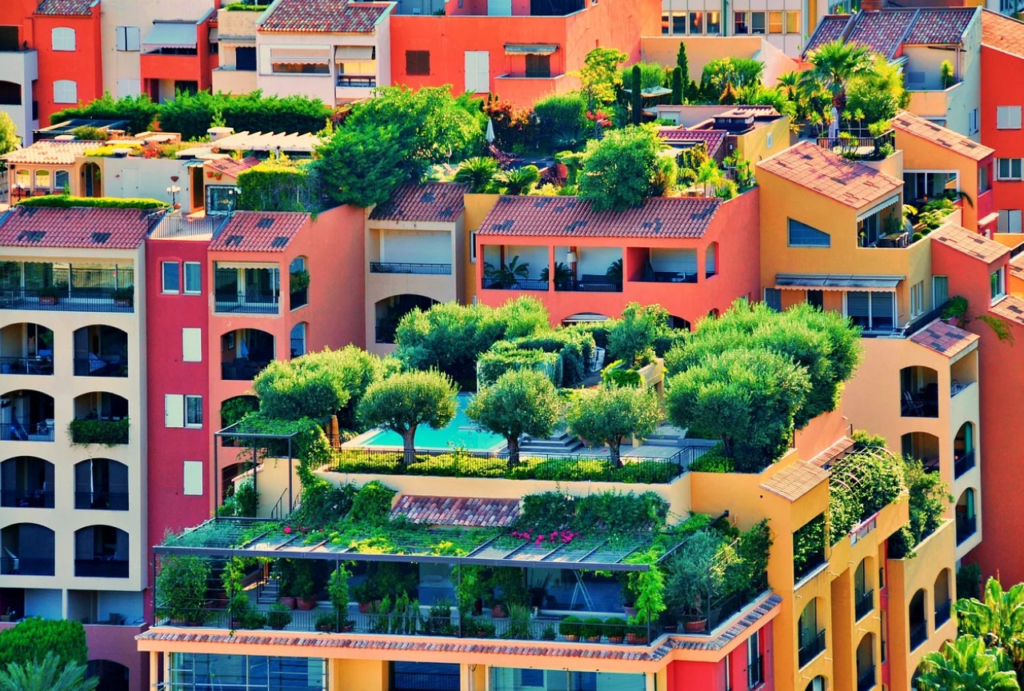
{"x":191,"y":345}
{"x":803,"y":235}
{"x":773,"y":298}
{"x":65,"y":91}
{"x":477,"y":71}
{"x":882,"y":310}
{"x":132,"y":38}
{"x":121,"y":37}
{"x":193,"y":478}
{"x":174,"y":410}
{"x":1014,"y":217}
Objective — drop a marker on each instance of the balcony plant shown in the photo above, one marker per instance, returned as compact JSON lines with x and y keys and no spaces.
{"x":615,"y":629}
{"x":337,"y":591}
{"x":506,"y":275}
{"x":124,"y":297}
{"x":303,"y":584}
{"x":592,"y":629}
{"x":563,"y":275}
{"x":279,"y":617}
{"x":105,"y":432}
{"x":51,"y":295}
{"x":285,"y":577}
{"x":298,"y":280}
{"x":638,"y":630}
{"x":439,"y":619}
{"x":518,"y":623}
{"x":326,"y":623}
{"x":181,"y":584}
{"x":570,"y":628}
{"x":693,"y":580}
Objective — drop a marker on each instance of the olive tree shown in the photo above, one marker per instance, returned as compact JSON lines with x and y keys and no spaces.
{"x":403,"y":402}
{"x":610,"y":415}
{"x":519,"y":402}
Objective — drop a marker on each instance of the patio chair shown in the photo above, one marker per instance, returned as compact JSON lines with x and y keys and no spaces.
{"x":910,"y":406}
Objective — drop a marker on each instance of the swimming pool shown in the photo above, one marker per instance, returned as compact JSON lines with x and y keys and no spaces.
{"x":461,"y":432}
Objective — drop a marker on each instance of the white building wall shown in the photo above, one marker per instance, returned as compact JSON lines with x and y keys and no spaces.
{"x":22,"y":68}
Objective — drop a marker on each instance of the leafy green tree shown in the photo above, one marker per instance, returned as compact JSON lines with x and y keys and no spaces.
{"x":139,"y":111}
{"x":448,"y":337}
{"x":611,"y":415}
{"x":677,"y":86}
{"x":709,"y":175}
{"x":998,"y":620}
{"x":929,"y":499}
{"x":739,"y":72}
{"x":192,"y":114}
{"x":625,"y":168}
{"x":518,"y":181}
{"x":562,"y":120}
{"x":525,"y":316}
{"x":181,"y":584}
{"x":966,"y":665}
{"x":32,"y":637}
{"x":636,"y":331}
{"x":478,"y":172}
{"x":683,"y":63}
{"x":364,"y":165}
{"x":49,"y":674}
{"x":519,"y":402}
{"x":636,"y":96}
{"x":8,"y":135}
{"x":600,"y":74}
{"x":877,"y":92}
{"x":403,"y":402}
{"x":835,"y":63}
{"x":747,"y":398}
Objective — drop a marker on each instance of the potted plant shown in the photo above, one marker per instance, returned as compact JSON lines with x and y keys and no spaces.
{"x":636,"y":631}
{"x":694,"y":580}
{"x":548,"y":634}
{"x":592,"y":629}
{"x":498,"y":611}
{"x":304,"y":585}
{"x":285,"y":578}
{"x":182,"y":587}
{"x":337,"y":591}
{"x":669,"y":622}
{"x":569,"y":628}
{"x":51,"y":295}
{"x":123,"y":297}
{"x":615,"y":629}
{"x":280,"y":616}
{"x":326,"y":623}
{"x":363,"y":594}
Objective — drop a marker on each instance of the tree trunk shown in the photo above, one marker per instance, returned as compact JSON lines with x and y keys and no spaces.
{"x":613,"y":447}
{"x":408,"y":438}
{"x":513,"y":451}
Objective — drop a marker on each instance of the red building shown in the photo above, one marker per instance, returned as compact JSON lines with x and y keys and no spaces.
{"x":693,"y":256}
{"x":176,"y":55}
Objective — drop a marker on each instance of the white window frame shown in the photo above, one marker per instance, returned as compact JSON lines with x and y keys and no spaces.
{"x":192,"y":479}
{"x":163,"y":278}
{"x":1011,"y":177}
{"x":871,"y":307}
{"x":191,"y":344}
{"x":472,"y":247}
{"x":127,"y":38}
{"x":65,"y":91}
{"x":63,"y":39}
{"x":185,"y":289}
{"x":1010,"y":221}
{"x":1008,"y":117}
{"x":192,"y":398}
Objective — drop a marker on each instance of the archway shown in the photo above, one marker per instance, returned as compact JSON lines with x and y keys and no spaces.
{"x":810,"y":639}
{"x":113,"y":676}
{"x":966,"y":518}
{"x":963,"y":449}
{"x":389,"y":312}
{"x":863,"y":594}
{"x":101,"y":551}
{"x":919,"y":392}
{"x":27,"y":349}
{"x":101,"y":484}
{"x":918,"y":619}
{"x":26,"y":482}
{"x":26,"y":549}
{"x":26,"y":415}
{"x":941,"y":597}
{"x":866,"y":676}
{"x":101,"y":351}
{"x":91,"y":180}
{"x":244,"y":353}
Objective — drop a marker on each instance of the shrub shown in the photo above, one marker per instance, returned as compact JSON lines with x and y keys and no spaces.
{"x":247,"y":499}
{"x":89,"y":133}
{"x":570,"y":626}
{"x":279,"y":616}
{"x":968,"y":582}
{"x":372,"y":503}
{"x":363,"y":165}
{"x":625,"y":168}
{"x":636,"y":331}
{"x":617,"y":374}
{"x":592,"y":627}
{"x":182,"y":587}
{"x":139,"y":111}
{"x":192,"y":114}
{"x":610,"y":415}
{"x":614,"y":627}
{"x":33,"y":637}
{"x":478,"y":172}
{"x":63,"y":201}
{"x":562,"y":120}
{"x":279,"y":185}
{"x":104,"y":432}
{"x":929,"y":497}
{"x":505,"y":357}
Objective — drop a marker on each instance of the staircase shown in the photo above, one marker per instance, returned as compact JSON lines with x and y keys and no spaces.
{"x":269,"y":592}
{"x":667,"y":435}
{"x":560,"y":443}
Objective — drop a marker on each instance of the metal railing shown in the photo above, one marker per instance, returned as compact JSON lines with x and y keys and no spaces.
{"x":524,"y":284}
{"x":99,"y":568}
{"x":755,"y":672}
{"x":911,"y":327}
{"x":364,"y":82}
{"x":865,"y":604}
{"x":963,"y":464}
{"x":246,"y":304}
{"x":298,"y":298}
{"x":32,"y":431}
{"x":242,"y":370}
{"x":26,"y":365}
{"x":91,"y":300}
{"x":407,"y":268}
{"x":590,"y":287}
{"x":867,"y":147}
{"x":176,"y":226}
{"x":866,"y":679}
{"x":965,"y":527}
{"x":918,"y":635}
{"x":101,"y":500}
{"x":666,"y":277}
{"x":27,"y":566}
{"x":812,"y":649}
{"x":94,"y":366}
{"x":27,"y":498}
{"x":943,"y":612}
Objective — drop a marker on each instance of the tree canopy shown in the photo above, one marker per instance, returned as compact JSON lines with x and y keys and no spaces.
{"x":404,"y":401}
{"x":519,"y":402}
{"x":33,"y":637}
{"x":611,"y":415}
{"x":49,"y":674}
{"x":625,"y":168}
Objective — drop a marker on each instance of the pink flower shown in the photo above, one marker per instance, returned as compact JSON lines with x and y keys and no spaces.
{"x":287,"y":530}
{"x":540,"y":539}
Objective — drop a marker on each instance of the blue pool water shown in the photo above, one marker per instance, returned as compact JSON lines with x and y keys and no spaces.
{"x":461,"y":432}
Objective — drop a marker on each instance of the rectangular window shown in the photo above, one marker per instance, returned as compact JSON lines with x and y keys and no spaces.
{"x":803,"y":235}
{"x":757,"y":23}
{"x":193,"y":479}
{"x":193,"y":278}
{"x":417,"y":62}
{"x":472,"y":247}
{"x":63,"y":39}
{"x":973,"y":124}
{"x":171,"y":279}
{"x":665,"y":25}
{"x":775,"y":22}
{"x":696,"y":23}
{"x":1008,"y":117}
{"x":65,"y":91}
{"x":174,"y":410}
{"x":191,"y":345}
{"x":245,"y":59}
{"x":478,"y":71}
{"x":816,"y":299}
{"x":997,"y":285}
{"x":741,"y":23}
{"x":754,"y":672}
{"x":129,"y":87}
{"x":679,"y":23}
{"x":193,"y":411}
{"x":773,"y":298}
{"x":940,"y":291}
{"x":127,"y":38}
{"x":713,"y":23}
{"x":295,"y":60}
{"x":1009,"y":221}
{"x":1008,"y":168}
{"x":792,"y":22}
{"x":538,"y":66}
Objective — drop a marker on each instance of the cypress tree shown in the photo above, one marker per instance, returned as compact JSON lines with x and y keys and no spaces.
{"x":636,"y":96}
{"x":677,"y":87}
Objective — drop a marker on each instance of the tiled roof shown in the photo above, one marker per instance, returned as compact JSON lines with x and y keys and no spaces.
{"x":115,"y":229}
{"x":323,"y":16}
{"x":795,"y":481}
{"x":824,"y":172}
{"x":1017,"y":266}
{"x":231,"y":167}
{"x":970,"y":243}
{"x":461,"y":511}
{"x":937,"y":25}
{"x":944,"y":338}
{"x":926,"y":129}
{"x":882,"y":31}
{"x":66,"y":7}
{"x":50,"y":152}
{"x":826,"y":458}
{"x":438,"y":202}
{"x":829,"y":29}
{"x":1011,"y":308}
{"x":764,"y":607}
{"x":259,"y":231}
{"x":713,"y":139}
{"x":677,"y":217}
{"x":1002,"y":32}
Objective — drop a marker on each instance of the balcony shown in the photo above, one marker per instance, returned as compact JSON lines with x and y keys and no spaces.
{"x":406,"y":268}
{"x":246,"y":290}
{"x":27,"y":349}
{"x":812,"y":649}
{"x":360,"y":82}
{"x":966,"y":526}
{"x":858,"y":144}
{"x":100,"y":418}
{"x":943,"y":611}
{"x":27,"y":416}
{"x":101,"y":351}
{"x":866,"y":679}
{"x":963,"y":463}
{"x":246,"y":303}
{"x":101,"y":484}
{"x":102,"y":500}
{"x":26,"y":482}
{"x":244,"y":353}
{"x":865,"y":604}
{"x":919,"y":392}
{"x":101,"y":551}
{"x":26,"y":365}
{"x":918,"y":634}
{"x":26,"y":549}
{"x":101,"y":568}
{"x":755,"y":672}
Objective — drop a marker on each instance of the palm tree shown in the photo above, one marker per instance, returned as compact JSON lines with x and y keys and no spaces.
{"x":966,"y":665}
{"x":479,"y":172}
{"x":998,"y":621}
{"x":518,"y":181}
{"x":789,"y":84}
{"x":709,"y":174}
{"x":49,"y":675}
{"x":507,"y":275}
{"x":835,"y":63}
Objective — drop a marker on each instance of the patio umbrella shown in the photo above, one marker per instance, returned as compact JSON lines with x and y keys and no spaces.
{"x":833,"y":128}
{"x":490,"y":131}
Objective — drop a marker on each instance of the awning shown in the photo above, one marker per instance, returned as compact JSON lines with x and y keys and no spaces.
{"x":214,"y":35}
{"x":530,"y":48}
{"x":836,"y":282}
{"x":878,"y":207}
{"x":353,"y":53}
{"x":585,"y":318}
{"x":167,"y":35}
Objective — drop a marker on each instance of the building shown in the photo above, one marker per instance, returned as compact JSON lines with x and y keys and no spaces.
{"x":73,"y":435}
{"x":236,"y":39}
{"x":749,"y":132}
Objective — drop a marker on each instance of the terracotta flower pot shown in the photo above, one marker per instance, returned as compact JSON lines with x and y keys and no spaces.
{"x":636,"y":638}
{"x":571,"y":637}
{"x":306,"y":604}
{"x":498,"y":612}
{"x":287,"y":601}
{"x":615,"y":639}
{"x":593,"y":639}
{"x":364,"y":607}
{"x":695,"y":626}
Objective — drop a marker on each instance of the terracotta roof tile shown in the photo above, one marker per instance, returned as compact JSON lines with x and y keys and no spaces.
{"x":970,"y":243}
{"x":953,"y":141}
{"x":462,"y":511}
{"x":50,"y":152}
{"x":80,"y":227}
{"x":677,"y":217}
{"x":944,"y":338}
{"x":66,"y":7}
{"x":259,"y":231}
{"x":324,"y":16}
{"x":795,"y":481}
{"x":826,"y":458}
{"x":1010,"y":308}
{"x":1002,"y":32}
{"x":824,"y":172}
{"x":231,"y":167}
{"x":887,"y":31}
{"x":829,"y":29}
{"x":882,"y":31}
{"x":938,"y":25}
{"x":438,"y":202}
{"x":713,"y":139}
{"x":1017,"y":266}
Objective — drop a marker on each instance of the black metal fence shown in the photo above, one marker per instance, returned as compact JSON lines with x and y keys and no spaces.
{"x":246,"y":304}
{"x":865,"y":604}
{"x":866,"y":679}
{"x":27,"y":431}
{"x":407,"y":268}
{"x":30,"y":566}
{"x":965,"y":527}
{"x":812,"y":649}
{"x":101,"y":500}
{"x":241,"y":370}
{"x":99,"y":568}
{"x":918,"y":635}
{"x":963,"y":464}
{"x":27,"y":498}
{"x":943,"y":611}
{"x":93,"y":366}
{"x":26,"y":365}
{"x":73,"y":300}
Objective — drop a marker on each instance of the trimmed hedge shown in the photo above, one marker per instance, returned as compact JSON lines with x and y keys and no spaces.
{"x":574,"y":347}
{"x":243,"y":7}
{"x":278,"y":186}
{"x":64,"y":201}
{"x":32,"y":638}
{"x":193,"y":114}
{"x":505,"y":356}
{"x":105,"y":432}
{"x":139,"y":111}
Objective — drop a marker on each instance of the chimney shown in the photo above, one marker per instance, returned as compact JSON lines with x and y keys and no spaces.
{"x":871,"y":5}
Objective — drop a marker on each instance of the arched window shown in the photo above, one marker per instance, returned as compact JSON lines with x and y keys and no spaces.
{"x":811,"y":640}
{"x":65,"y":91}
{"x":918,"y":620}
{"x":63,"y":38}
{"x":298,"y":340}
{"x":711,"y":267}
{"x":43,"y":180}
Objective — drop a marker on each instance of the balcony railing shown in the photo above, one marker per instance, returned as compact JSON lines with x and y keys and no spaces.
{"x":671,"y":277}
{"x":942,"y":612}
{"x":93,"y":366}
{"x":101,"y":500}
{"x":865,"y":604}
{"x":73,"y":300}
{"x":363,"y":82}
{"x":866,"y":679}
{"x":910,"y":328}
{"x":242,"y":370}
{"x":26,"y":431}
{"x":406,"y":268}
{"x":27,"y":498}
{"x":919,"y":404}
{"x":26,"y":365}
{"x":862,"y":147}
{"x":100,"y":568}
{"x":964,"y":463}
{"x":520,"y":284}
{"x":812,"y":649}
{"x":755,"y":672}
{"x":246,"y":304}
{"x":965,"y":527}
{"x":590,"y":286}
{"x":918,"y":635}
{"x":29,"y":566}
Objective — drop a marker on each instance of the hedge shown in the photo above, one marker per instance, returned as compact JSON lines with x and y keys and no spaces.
{"x":506,"y":356}
{"x":278,"y":186}
{"x":32,"y":638}
{"x":105,"y":432}
{"x":193,"y":114}
{"x":139,"y":111}
{"x":243,"y":7}
{"x":65,"y":201}
{"x":574,"y":347}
